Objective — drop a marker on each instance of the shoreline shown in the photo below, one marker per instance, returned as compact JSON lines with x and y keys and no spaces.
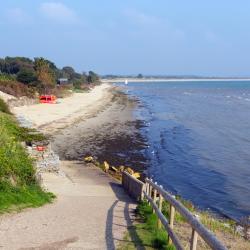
{"x":175,"y":80}
{"x":99,"y":123}
{"x":104,"y":132}
{"x":107,"y":131}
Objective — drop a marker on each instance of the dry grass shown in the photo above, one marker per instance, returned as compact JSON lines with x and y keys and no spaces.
{"x":16,"y":89}
{"x":229,"y":239}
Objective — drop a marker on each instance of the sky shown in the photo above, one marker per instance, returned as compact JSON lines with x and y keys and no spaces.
{"x":152,"y":37}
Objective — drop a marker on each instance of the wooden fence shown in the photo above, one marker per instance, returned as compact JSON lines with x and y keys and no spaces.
{"x":133,"y":186}
{"x":155,"y":195}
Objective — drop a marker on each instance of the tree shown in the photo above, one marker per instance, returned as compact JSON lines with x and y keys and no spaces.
{"x":26,"y":76}
{"x":44,"y":73}
{"x":92,"y":77}
{"x":68,"y":72}
{"x":140,"y":76}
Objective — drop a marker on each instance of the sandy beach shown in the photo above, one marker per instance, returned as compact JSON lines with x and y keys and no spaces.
{"x":98,"y":123}
{"x":50,"y":117}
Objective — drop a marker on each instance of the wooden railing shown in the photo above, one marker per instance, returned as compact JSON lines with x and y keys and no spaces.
{"x":155,"y":195}
{"x":133,"y":186}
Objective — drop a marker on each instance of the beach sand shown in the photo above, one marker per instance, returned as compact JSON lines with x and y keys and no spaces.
{"x":99,"y":123}
{"x":50,"y":117}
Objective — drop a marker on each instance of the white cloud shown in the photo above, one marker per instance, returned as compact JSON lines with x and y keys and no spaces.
{"x":16,"y":15}
{"x":58,"y":12}
{"x":140,"y":17}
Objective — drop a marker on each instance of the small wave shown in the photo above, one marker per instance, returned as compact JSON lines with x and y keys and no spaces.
{"x":187,"y":93}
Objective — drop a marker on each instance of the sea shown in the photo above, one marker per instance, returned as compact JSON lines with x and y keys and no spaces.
{"x":198,"y":140}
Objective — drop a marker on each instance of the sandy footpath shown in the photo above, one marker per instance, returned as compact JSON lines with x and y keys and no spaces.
{"x":91,"y":212}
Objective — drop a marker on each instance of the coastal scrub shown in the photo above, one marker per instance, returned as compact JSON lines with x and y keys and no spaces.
{"x":18,"y":185}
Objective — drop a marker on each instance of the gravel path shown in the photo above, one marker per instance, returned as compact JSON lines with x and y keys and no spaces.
{"x":91,"y":212}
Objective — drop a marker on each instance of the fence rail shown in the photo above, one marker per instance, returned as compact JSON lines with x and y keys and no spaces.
{"x":155,"y":195}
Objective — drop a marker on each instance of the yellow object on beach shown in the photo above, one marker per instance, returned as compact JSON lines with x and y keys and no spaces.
{"x":136,"y":175}
{"x":114,"y":168}
{"x":106,"y":166}
{"x":130,"y":171}
{"x":89,"y":159}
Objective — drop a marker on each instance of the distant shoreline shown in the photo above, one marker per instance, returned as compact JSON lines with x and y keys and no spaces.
{"x":175,"y":80}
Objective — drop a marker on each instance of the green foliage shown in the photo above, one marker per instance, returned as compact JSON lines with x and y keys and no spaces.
{"x":20,"y":133}
{"x":77,"y":84}
{"x":93,"y":77}
{"x":18,"y":185}
{"x":12,"y":65}
{"x":38,"y":75}
{"x":6,"y":77}
{"x":16,"y":198}
{"x":26,"y":76}
{"x":45,"y":73}
{"x":4,"y":107}
{"x":146,"y":235}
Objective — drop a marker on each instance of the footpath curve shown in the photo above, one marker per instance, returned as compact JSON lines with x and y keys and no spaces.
{"x":91,"y":211}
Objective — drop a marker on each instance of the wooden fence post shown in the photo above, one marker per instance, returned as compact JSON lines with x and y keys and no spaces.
{"x":154,"y":198}
{"x":160,"y":208}
{"x":194,"y":240}
{"x":171,"y":221}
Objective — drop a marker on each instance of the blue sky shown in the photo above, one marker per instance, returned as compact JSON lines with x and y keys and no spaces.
{"x":133,"y":36}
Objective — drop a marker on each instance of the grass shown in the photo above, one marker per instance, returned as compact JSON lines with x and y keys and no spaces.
{"x":18,"y":185}
{"x":145,"y":234}
{"x":17,"y":198}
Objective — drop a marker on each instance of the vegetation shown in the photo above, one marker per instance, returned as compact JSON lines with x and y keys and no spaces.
{"x":18,"y":185}
{"x":145,"y":234}
{"x":21,"y":76}
{"x":4,"y":107}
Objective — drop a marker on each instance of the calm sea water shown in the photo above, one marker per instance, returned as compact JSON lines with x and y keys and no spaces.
{"x":199,"y":141}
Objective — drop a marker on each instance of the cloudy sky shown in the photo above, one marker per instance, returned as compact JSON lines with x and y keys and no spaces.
{"x":131,"y":36}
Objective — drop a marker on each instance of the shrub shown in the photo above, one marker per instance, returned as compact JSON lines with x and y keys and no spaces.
{"x":26,"y":76}
{"x":16,"y":89}
{"x":4,"y":107}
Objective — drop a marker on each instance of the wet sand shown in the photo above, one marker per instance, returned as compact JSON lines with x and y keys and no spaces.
{"x":110,"y":133}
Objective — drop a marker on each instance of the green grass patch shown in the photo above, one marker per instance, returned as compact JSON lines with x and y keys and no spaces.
{"x":17,"y":198}
{"x":145,"y":234}
{"x":18,"y":185}
{"x":11,"y":128}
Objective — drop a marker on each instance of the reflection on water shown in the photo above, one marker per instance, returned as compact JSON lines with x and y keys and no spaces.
{"x":199,"y":141}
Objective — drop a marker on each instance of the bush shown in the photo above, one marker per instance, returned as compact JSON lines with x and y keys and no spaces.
{"x":16,"y":89}
{"x":4,"y":107}
{"x":26,"y":76}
